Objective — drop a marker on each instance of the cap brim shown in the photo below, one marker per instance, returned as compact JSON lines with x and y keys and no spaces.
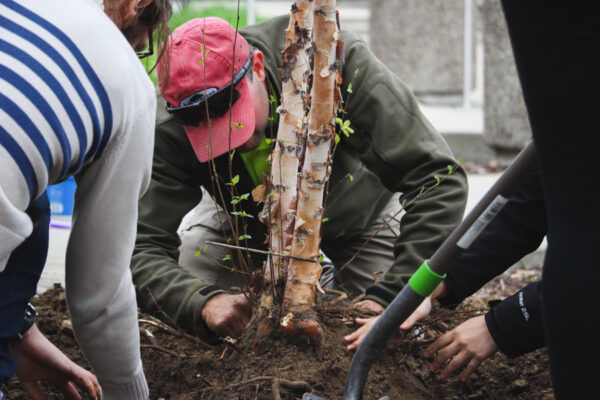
{"x":218,"y":136}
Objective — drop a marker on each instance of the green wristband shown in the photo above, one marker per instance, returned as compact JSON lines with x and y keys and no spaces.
{"x":424,"y":280}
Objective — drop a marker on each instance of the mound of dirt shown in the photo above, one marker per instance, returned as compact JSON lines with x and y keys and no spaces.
{"x":178,"y":366}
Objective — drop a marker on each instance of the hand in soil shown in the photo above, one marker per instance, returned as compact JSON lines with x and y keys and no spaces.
{"x":424,"y":308}
{"x":369,"y":305}
{"x":227,"y":314}
{"x":358,"y":335}
{"x":469,"y":343}
{"x":39,"y":360}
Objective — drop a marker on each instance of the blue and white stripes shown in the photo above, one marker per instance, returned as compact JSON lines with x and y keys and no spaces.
{"x":55,"y":114}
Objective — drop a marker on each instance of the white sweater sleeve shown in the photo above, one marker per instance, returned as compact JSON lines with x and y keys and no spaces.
{"x":100,"y":292}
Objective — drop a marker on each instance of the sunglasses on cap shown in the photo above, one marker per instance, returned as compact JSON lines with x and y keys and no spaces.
{"x":212,"y":101}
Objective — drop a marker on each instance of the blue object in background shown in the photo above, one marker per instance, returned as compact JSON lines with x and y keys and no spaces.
{"x":61,"y":197}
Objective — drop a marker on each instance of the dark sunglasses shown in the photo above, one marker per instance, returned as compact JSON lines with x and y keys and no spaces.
{"x":194,"y":109}
{"x":150,"y":50}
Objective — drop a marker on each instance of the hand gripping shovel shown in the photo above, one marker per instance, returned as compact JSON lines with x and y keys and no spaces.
{"x":431,"y":273}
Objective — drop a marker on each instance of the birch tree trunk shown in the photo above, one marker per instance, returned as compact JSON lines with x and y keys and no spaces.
{"x":279,"y":211}
{"x":302,"y":279}
{"x":294,"y":75}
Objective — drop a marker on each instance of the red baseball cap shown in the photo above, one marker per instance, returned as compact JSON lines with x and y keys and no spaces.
{"x":204,"y":55}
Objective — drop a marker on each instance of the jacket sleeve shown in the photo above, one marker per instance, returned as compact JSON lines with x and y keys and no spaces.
{"x":516,"y":231}
{"x":100,"y":294}
{"x":516,"y":323}
{"x":161,"y":283}
{"x":406,"y":153}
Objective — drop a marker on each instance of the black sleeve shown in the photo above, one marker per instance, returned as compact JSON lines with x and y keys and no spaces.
{"x":516,"y":323}
{"x":516,"y":231}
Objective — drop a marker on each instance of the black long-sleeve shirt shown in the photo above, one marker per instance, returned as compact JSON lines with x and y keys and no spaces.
{"x":519,"y":228}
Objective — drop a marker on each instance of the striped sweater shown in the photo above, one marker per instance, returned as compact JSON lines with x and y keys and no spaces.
{"x":75,"y":100}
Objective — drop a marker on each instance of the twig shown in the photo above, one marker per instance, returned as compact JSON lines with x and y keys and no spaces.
{"x":231,"y":342}
{"x":402,"y":208}
{"x":159,"y":348}
{"x":277,"y":382}
{"x":341,"y":295}
{"x":172,"y":331}
{"x":149,"y":335}
{"x":390,"y":227}
{"x":253,"y":380}
{"x":357,"y":299}
{"x":230,"y":246}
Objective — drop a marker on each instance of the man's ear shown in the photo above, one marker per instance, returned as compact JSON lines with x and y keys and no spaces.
{"x":258,"y":66}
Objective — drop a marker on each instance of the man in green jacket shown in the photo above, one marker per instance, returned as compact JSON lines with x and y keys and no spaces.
{"x":392,"y":155}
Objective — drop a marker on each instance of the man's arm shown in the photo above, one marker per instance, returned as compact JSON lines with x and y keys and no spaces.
{"x":406,"y":153}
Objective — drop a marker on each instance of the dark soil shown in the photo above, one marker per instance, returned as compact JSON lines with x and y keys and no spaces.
{"x":179,"y":367}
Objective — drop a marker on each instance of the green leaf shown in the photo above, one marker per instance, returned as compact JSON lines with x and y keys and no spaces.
{"x":242,"y":214}
{"x":227,"y":257}
{"x":422,"y":189}
{"x":437,"y":179}
{"x":234,"y":201}
{"x":356,"y":72}
{"x":244,"y":196}
{"x":235,"y":179}
{"x":325,"y":220}
{"x":337,"y":138}
{"x":320,"y":258}
{"x":450,"y":169}
{"x":198,"y":253}
{"x":237,"y":125}
{"x":349,"y":90}
{"x":268,"y":141}
{"x":205,"y":248}
{"x":245,"y":237}
{"x":350,"y":177}
{"x":339,"y":121}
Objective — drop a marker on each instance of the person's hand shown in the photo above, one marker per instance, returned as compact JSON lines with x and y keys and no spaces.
{"x":424,"y":308}
{"x":469,"y":343}
{"x":356,"y":337}
{"x":369,"y":305}
{"x":39,"y":360}
{"x":421,"y":312}
{"x":227,"y":314}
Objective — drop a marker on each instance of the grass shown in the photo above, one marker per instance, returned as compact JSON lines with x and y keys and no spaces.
{"x":229,"y":14}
